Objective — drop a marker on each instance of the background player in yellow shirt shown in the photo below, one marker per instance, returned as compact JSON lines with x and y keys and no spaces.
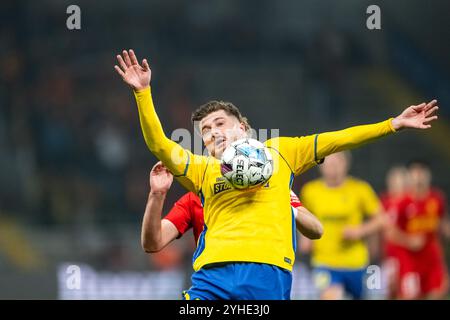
{"x":349,"y":210}
{"x":247,"y":247}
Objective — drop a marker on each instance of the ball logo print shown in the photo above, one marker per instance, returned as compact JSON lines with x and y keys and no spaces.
{"x":246,"y":164}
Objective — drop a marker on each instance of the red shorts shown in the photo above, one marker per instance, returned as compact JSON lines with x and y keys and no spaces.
{"x":417,"y":274}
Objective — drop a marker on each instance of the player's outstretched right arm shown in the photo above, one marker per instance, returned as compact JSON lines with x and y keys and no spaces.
{"x":138,"y":77}
{"x":174,"y":157}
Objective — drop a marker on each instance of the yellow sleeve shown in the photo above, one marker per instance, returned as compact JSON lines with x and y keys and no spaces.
{"x":369,"y":199}
{"x":297,"y":152}
{"x":183,"y":164}
{"x":302,"y":153}
{"x":350,"y":138}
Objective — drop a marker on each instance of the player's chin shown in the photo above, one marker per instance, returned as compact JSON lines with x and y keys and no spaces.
{"x":218,"y":151}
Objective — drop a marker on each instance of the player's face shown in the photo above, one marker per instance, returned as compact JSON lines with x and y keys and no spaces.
{"x":420,"y":177}
{"x":334,"y":169}
{"x":219,"y":130}
{"x":397,"y":181}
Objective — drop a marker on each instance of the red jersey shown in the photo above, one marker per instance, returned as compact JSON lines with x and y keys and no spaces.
{"x":420,"y":272}
{"x":423,"y":216}
{"x":391,"y":206}
{"x":187,"y":213}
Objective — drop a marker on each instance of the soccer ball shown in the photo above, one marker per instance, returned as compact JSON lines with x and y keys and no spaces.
{"x":246,"y":164}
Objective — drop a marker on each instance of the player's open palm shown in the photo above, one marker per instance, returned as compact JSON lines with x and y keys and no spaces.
{"x":136,"y":75}
{"x":160,"y":179}
{"x":417,"y":117}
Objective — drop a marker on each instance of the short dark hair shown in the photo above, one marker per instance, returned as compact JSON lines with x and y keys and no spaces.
{"x":213,"y":106}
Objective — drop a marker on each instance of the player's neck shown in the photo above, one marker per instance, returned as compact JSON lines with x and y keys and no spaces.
{"x":420,"y":192}
{"x":395,"y":194}
{"x":334,"y":183}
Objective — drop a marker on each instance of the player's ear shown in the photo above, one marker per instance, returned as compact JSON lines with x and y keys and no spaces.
{"x":243,"y":127}
{"x":198,"y":127}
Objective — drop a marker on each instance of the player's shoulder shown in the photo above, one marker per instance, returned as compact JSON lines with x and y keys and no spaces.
{"x":193,"y":198}
{"x":283,"y":142}
{"x":437,"y":194}
{"x":185,"y":197}
{"x":405,"y":201}
{"x":190,"y":204}
{"x":385,"y":197}
{"x":274,"y":142}
{"x":313,"y":185}
{"x":355,"y":182}
{"x":189,"y":198}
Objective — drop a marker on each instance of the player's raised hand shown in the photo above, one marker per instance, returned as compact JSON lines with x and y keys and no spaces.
{"x":160,"y":179}
{"x":417,"y":117}
{"x":136,"y":75}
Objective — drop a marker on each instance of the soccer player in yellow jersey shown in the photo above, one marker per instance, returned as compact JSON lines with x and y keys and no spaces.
{"x":247,"y":247}
{"x":349,"y":210}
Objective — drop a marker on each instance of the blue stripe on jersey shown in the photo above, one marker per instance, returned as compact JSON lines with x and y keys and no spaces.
{"x":318,"y":161}
{"x":187,"y":165}
{"x":315,"y":147}
{"x":291,"y":181}
{"x":200,"y":244}
{"x":185,"y":168}
{"x":202,"y":198}
{"x":294,"y":231}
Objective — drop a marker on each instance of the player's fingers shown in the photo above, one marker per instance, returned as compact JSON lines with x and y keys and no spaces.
{"x":119,"y":71}
{"x":126,"y":57}
{"x":431,"y":111}
{"x":420,"y":107}
{"x":427,"y":120}
{"x":145,"y":65}
{"x":432,"y":103}
{"x":428,"y":106}
{"x":133,"y":58}
{"x":121,"y":62}
{"x":157,"y":166}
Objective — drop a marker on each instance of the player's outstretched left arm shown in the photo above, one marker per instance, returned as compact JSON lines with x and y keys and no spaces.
{"x":413,"y":117}
{"x":303,"y":153}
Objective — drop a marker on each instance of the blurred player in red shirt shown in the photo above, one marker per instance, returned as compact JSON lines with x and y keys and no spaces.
{"x":414,"y":237}
{"x":188,"y":213}
{"x":396,"y":188}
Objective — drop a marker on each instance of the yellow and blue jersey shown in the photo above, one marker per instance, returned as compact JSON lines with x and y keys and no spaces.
{"x":337,"y":208}
{"x":248,"y":226}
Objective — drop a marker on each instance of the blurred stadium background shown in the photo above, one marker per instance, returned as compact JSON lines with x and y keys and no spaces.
{"x":74,"y":166}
